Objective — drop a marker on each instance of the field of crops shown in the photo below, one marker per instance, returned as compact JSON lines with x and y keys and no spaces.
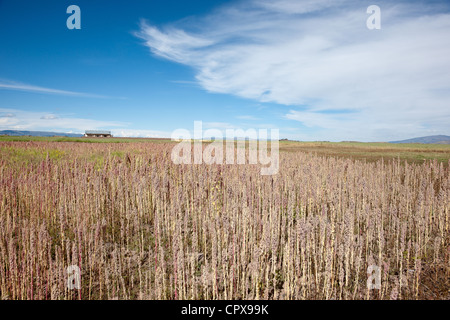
{"x":141,"y":227}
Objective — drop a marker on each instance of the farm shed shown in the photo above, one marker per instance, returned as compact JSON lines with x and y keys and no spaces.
{"x":97,"y":133}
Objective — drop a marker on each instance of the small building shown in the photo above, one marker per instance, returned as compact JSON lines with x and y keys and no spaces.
{"x":97,"y":134}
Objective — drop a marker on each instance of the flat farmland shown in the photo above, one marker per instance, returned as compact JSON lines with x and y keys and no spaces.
{"x":139,"y":226}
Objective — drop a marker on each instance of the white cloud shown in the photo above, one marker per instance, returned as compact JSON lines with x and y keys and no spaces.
{"x":12,"y":85}
{"x":7,"y":115}
{"x":247,"y":117}
{"x":49,"y":117}
{"x":296,"y":7}
{"x":218,"y":125}
{"x":29,"y":120}
{"x":319,"y":55}
{"x":140,"y":133}
{"x":43,"y":121}
{"x":170,"y":44}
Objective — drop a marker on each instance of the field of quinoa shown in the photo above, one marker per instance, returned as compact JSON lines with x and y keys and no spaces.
{"x":139,"y":226}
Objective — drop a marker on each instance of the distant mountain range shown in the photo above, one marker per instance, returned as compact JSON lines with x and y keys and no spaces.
{"x":440,"y":139}
{"x":38,"y":133}
{"x":428,"y":139}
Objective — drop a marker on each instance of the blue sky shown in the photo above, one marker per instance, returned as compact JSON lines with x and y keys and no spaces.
{"x":310,"y":68}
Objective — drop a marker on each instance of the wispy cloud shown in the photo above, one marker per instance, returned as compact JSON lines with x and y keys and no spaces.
{"x":12,"y":85}
{"x":319,"y":55}
{"x":172,"y":43}
{"x":50,"y":117}
{"x":218,"y":125}
{"x":7,"y":115}
{"x":247,"y":117}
